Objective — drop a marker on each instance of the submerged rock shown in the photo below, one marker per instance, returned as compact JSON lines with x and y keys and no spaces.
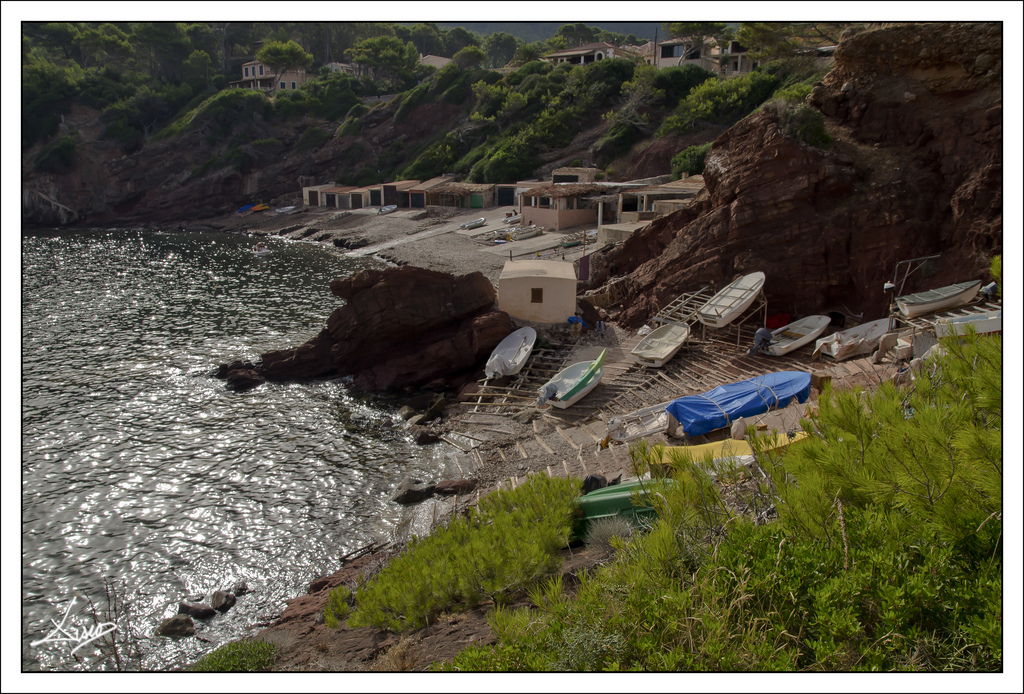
{"x":222,"y":601}
{"x":451,"y":487}
{"x":412,"y":491}
{"x":177,"y":626}
{"x":197,"y":610}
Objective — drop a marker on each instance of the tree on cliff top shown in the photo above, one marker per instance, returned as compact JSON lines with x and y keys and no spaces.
{"x":282,"y":56}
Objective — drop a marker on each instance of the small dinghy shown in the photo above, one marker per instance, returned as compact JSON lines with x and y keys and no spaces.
{"x":285,"y":210}
{"x":860,"y":339}
{"x":795,"y":335}
{"x":523,"y":233}
{"x":513,"y":218}
{"x":987,"y":322}
{"x":941,"y":299}
{"x":729,"y":303}
{"x":573,"y":382}
{"x":660,"y":345}
{"x":508,"y":357}
{"x":387,"y":209}
{"x":474,"y":224}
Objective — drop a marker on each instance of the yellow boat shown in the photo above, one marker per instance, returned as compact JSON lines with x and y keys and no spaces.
{"x":724,"y":453}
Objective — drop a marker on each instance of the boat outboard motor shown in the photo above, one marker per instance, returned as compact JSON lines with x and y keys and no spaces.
{"x":593,"y":482}
{"x":762,"y":338}
{"x":547,"y":393}
{"x":989,"y":291}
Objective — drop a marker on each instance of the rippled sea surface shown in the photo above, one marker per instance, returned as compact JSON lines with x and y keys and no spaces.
{"x":141,"y":469}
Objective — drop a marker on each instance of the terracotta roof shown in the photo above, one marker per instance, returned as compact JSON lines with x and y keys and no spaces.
{"x":581,"y":50}
{"x":564,"y":190}
{"x":463,"y":188}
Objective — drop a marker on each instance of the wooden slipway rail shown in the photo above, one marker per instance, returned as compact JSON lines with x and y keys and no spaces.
{"x":626,"y":387}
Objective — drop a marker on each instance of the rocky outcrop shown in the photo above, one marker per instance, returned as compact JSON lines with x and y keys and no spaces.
{"x":400,"y":327}
{"x":178,"y":626}
{"x":915,"y":168}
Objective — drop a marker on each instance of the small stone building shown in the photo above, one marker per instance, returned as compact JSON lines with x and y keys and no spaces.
{"x":538,"y":291}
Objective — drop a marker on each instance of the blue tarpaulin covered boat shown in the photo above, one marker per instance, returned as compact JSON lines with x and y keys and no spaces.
{"x":719,"y":407}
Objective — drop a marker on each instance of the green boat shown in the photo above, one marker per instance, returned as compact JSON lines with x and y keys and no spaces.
{"x":616,"y":500}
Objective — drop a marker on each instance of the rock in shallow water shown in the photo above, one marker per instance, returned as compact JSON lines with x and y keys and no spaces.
{"x":412,"y":491}
{"x":177,"y":626}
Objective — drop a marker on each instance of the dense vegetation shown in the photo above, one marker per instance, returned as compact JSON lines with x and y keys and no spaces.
{"x":885,"y":553}
{"x":164,"y":79}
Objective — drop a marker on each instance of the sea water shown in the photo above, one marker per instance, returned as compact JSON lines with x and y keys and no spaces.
{"x":142,"y":472}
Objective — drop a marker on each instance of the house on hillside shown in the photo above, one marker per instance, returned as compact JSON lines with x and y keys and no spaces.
{"x":538,"y":291}
{"x":434,"y":61}
{"x":343,"y":68}
{"x":256,"y":75}
{"x":728,"y":61}
{"x":587,"y":54}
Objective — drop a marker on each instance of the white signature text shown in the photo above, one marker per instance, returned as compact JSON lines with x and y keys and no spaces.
{"x":62,"y":633}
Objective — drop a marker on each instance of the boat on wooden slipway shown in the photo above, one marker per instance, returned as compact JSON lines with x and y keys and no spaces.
{"x":660,"y":345}
{"x":572,"y":383}
{"x":941,"y":299}
{"x":730,"y":303}
{"x":508,"y":357}
{"x":719,"y":407}
{"x":795,"y":335}
{"x":852,"y":342}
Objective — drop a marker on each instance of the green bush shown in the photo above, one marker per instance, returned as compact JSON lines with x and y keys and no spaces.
{"x":800,"y":122}
{"x":690,"y":161}
{"x":312,"y":138}
{"x":723,"y":101}
{"x":337,"y":607}
{"x":509,"y":544}
{"x":56,"y":156}
{"x":246,"y":655}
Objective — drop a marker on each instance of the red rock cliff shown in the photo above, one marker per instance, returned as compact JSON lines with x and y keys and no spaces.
{"x":914,"y":169}
{"x":400,"y":327}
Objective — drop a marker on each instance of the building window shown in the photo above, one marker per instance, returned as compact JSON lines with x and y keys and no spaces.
{"x":293,"y":85}
{"x":246,"y":71}
{"x":282,"y":85}
{"x":537,"y":295}
{"x":261,"y":71}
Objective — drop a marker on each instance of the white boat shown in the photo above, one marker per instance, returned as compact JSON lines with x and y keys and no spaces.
{"x":933,"y":300}
{"x":387,"y":209}
{"x":474,"y":224}
{"x":513,"y":218}
{"x":573,"y":382}
{"x":508,"y":357}
{"x":860,"y":339}
{"x":660,"y":345}
{"x":524,"y":232}
{"x":797,"y":334}
{"x":729,"y":303}
{"x":987,"y":322}
{"x":285,"y":210}
{"x":265,"y":251}
{"x":643,"y":422}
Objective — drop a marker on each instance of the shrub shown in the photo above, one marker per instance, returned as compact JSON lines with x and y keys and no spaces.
{"x":690,"y":161}
{"x":721,"y":101}
{"x":57,"y":155}
{"x":312,"y":138}
{"x":247,"y":655}
{"x":510,"y":543}
{"x":336,"y":609}
{"x":800,"y":122}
